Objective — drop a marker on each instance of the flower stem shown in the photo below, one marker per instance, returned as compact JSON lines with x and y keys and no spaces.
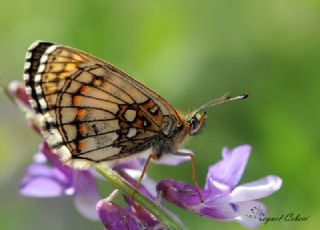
{"x":119,"y":183}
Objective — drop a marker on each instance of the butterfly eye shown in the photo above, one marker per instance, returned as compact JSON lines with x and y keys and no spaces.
{"x":196,"y":123}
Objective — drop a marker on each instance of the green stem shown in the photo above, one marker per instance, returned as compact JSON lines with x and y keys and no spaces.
{"x":119,"y":183}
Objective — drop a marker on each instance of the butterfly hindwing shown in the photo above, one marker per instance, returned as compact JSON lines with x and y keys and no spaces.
{"x":88,"y":108}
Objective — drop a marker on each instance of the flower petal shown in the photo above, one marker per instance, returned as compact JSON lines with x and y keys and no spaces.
{"x":225,"y":212}
{"x":229,"y":170}
{"x":86,"y":194}
{"x":187,"y":197}
{"x":136,"y":163}
{"x":17,"y":92}
{"x":41,"y":187}
{"x":42,"y":181}
{"x":255,"y":190}
{"x":251,"y":214}
{"x":174,"y":160}
{"x":145,"y":217}
{"x":39,"y":158}
{"x":114,"y":217}
{"x":181,"y":194}
{"x":54,"y":160}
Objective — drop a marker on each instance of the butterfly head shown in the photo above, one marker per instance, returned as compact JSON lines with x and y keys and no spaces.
{"x":196,"y":122}
{"x":197,"y":118}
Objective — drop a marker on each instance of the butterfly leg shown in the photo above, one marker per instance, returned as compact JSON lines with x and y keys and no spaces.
{"x":194,"y":171}
{"x":141,"y":176}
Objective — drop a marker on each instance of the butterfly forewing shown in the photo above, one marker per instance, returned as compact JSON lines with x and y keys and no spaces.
{"x":88,"y":108}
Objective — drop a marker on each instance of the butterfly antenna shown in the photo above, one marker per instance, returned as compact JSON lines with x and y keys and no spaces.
{"x":222,"y":100}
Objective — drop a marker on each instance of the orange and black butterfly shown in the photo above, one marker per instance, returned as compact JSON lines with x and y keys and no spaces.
{"x":90,"y":111}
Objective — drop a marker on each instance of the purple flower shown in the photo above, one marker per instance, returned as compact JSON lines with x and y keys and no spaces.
{"x":134,"y":216}
{"x":222,"y":200}
{"x":131,"y":172}
{"x":16,"y":91}
{"x":114,"y":217}
{"x":48,"y":177}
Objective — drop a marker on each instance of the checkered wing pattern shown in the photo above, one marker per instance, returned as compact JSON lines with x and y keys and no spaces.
{"x":89,"y":110}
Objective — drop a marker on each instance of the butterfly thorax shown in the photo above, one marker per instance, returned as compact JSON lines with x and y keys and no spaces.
{"x":173,"y":140}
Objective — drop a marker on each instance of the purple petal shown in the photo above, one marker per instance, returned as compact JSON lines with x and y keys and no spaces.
{"x":86,"y":194}
{"x":42,"y":181}
{"x":180,"y":194}
{"x":145,"y":217}
{"x":187,"y":197}
{"x":17,"y":92}
{"x":174,"y":160}
{"x":225,"y":212}
{"x":255,"y":190}
{"x":229,"y":170}
{"x":251,"y":214}
{"x":39,"y":158}
{"x":114,"y":217}
{"x":136,"y":163}
{"x":41,"y":187}
{"x":54,"y":160}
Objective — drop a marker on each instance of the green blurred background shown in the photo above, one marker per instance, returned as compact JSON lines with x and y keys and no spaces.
{"x":189,"y":52}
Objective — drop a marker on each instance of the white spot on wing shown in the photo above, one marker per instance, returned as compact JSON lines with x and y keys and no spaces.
{"x":48,"y":117}
{"x":51,"y":49}
{"x":43,"y":58}
{"x":41,"y":68}
{"x":27,"y":65}
{"x":42,"y":121}
{"x":26,"y":77}
{"x":33,"y":45}
{"x":130,"y":115}
{"x":28,"y":55}
{"x":54,"y":137}
{"x":81,"y":164}
{"x":43,"y":103}
{"x":154,"y":109}
{"x":37,"y":78}
{"x":64,"y":153}
{"x":162,"y":107}
{"x":38,"y":89}
{"x":144,"y":123}
{"x":132,"y":132}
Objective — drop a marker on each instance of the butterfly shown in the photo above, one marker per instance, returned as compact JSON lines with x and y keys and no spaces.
{"x":92,"y":112}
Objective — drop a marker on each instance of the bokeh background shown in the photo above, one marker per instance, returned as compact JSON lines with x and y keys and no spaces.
{"x":189,"y":52}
